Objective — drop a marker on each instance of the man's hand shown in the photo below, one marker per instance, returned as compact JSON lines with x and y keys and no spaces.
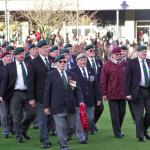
{"x":32,"y":102}
{"x":104,"y":98}
{"x":129,"y":97}
{"x":47,"y":111}
{"x":1,"y":99}
{"x":98,"y":103}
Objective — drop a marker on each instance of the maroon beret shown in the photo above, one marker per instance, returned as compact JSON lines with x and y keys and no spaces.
{"x":4,"y":54}
{"x":116,"y":50}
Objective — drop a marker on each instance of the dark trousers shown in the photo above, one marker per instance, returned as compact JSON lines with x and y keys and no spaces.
{"x":141,"y":110}
{"x":131,"y":110}
{"x":98,"y":110}
{"x":117,"y":112}
{"x":19,"y":104}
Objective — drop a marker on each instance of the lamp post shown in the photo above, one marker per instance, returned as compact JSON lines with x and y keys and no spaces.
{"x":6,"y":21}
{"x":77,"y":21}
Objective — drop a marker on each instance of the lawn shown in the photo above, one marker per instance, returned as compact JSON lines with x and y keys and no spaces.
{"x":103,"y":140}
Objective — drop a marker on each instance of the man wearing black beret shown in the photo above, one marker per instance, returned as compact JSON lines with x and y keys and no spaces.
{"x":137,"y":83}
{"x":15,"y":88}
{"x":62,"y":104}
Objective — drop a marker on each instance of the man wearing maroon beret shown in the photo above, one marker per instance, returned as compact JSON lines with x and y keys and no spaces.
{"x":112,"y":88}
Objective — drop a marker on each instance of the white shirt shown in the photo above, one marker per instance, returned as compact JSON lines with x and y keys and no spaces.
{"x":142,"y":83}
{"x":19,"y":85}
{"x":90,"y":60}
{"x":43,"y":58}
{"x":60,"y":72}
{"x":81,"y":69}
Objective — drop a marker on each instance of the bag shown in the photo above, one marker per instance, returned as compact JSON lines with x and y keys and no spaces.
{"x":83,"y":116}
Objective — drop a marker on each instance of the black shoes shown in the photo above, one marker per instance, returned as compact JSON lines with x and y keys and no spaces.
{"x":147,"y":136}
{"x":19,"y":139}
{"x":83,"y":142}
{"x":141,"y":139}
{"x":26,"y":136}
{"x":45,"y":146}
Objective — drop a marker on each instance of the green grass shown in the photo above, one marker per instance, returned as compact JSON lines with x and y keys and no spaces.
{"x":103,"y":140}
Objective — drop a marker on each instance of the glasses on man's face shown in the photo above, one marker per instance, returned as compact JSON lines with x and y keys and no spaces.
{"x":62,"y":61}
{"x":118,"y":54}
{"x":92,"y":50}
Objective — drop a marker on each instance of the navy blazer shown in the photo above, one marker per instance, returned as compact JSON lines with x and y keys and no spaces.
{"x":99,"y":65}
{"x":57,"y":98}
{"x":133,"y":77}
{"x":9,"y":80}
{"x":37,"y":74}
{"x":89,"y":86}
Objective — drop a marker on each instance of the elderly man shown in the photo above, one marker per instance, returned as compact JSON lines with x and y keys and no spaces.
{"x":62,"y":103}
{"x":6,"y":59}
{"x":97,"y":65}
{"x":138,"y":91}
{"x":112,"y":88}
{"x":38,"y":70}
{"x":89,"y":85}
{"x":15,"y":88}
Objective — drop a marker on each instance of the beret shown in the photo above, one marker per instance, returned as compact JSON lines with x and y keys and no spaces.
{"x":9,"y":48}
{"x":87,"y":47}
{"x":141,"y":48}
{"x":5,"y":54}
{"x":124,"y":47}
{"x":42,"y":43}
{"x":54,"y":48}
{"x":18,"y":50}
{"x":64,"y":50}
{"x":32,"y":46}
{"x":68,"y":45}
{"x":116,"y":50}
{"x":59,"y":58}
{"x":81,"y":55}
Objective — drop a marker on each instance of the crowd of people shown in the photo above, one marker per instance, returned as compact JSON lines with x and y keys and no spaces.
{"x":61,"y":90}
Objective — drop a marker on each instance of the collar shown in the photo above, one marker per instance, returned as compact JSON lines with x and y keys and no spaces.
{"x":140,"y":60}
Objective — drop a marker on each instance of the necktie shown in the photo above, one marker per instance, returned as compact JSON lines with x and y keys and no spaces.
{"x":84,"y":73}
{"x":145,"y":74}
{"x":93,"y":65}
{"x":24,"y":73}
{"x":47,"y":63}
{"x":64,"y":79}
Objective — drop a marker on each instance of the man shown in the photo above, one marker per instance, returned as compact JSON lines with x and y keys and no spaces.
{"x":6,"y":58}
{"x":89,"y":85}
{"x":138,"y":91}
{"x":33,"y":52}
{"x":112,"y":88}
{"x":124,"y":51}
{"x":53,"y":53}
{"x":97,"y":65}
{"x":70,"y":62}
{"x":38,"y":70}
{"x":15,"y":88}
{"x":62,"y":103}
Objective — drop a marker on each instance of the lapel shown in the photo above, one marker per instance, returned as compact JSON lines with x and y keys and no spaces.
{"x":41,"y":62}
{"x":14,"y":72}
{"x":137,"y":68}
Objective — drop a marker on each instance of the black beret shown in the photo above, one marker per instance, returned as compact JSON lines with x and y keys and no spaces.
{"x":68,"y":45}
{"x":54,"y":48}
{"x":32,"y":46}
{"x":87,"y":47}
{"x":124,"y":47}
{"x":64,"y":50}
{"x":42,"y":43}
{"x":9,"y":48}
{"x":141,"y":48}
{"x":18,"y":50}
{"x":59,"y":58}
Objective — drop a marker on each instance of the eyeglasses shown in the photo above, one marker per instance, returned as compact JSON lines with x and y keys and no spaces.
{"x":62,"y":61}
{"x":92,"y":50}
{"x":118,"y":54}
